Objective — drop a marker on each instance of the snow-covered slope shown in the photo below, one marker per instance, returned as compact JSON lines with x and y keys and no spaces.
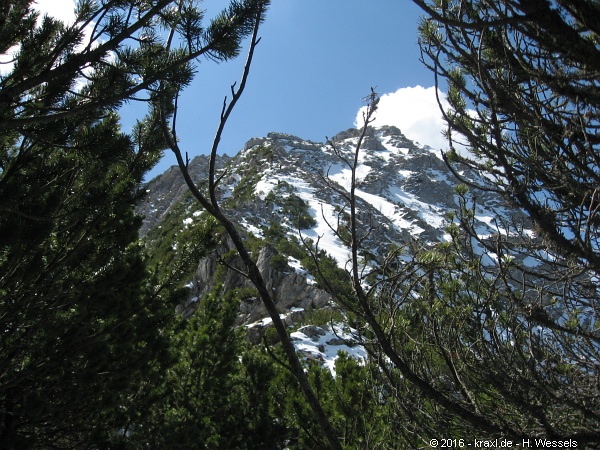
{"x":403,"y":188}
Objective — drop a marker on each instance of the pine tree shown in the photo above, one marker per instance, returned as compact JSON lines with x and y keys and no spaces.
{"x":216,"y":395}
{"x":84,"y":333}
{"x":479,"y":336}
{"x":80,"y":326}
{"x":203,"y":404}
{"x":524,"y":100}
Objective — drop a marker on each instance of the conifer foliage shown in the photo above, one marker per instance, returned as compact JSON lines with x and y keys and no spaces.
{"x":523,"y":88}
{"x":208,"y":399}
{"x":82,"y":327}
{"x":497,"y":335}
{"x":79,"y":326}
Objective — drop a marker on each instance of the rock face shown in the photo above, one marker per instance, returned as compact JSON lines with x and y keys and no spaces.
{"x":169,"y":188}
{"x":291,"y":290}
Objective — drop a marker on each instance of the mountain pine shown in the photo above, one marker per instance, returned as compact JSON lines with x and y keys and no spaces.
{"x":84,"y":332}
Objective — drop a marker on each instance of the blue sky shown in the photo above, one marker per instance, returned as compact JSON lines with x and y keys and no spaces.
{"x":315,"y":61}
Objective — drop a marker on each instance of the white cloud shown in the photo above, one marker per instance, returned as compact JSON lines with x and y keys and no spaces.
{"x":415,"y":111}
{"x":63,"y":10}
{"x":6,"y":60}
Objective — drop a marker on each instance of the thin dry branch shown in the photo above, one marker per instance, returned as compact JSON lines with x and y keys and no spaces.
{"x":211,"y":204}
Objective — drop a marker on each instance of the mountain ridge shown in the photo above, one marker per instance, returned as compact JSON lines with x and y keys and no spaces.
{"x":288,"y":193}
{"x":312,"y":158}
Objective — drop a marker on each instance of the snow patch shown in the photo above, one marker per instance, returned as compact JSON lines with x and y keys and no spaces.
{"x":325,"y":344}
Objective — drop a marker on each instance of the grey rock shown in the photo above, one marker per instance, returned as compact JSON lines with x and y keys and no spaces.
{"x":312,"y":331}
{"x":340,"y":341}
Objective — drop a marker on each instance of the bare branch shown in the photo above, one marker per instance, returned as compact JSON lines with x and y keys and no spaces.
{"x":253,"y":273}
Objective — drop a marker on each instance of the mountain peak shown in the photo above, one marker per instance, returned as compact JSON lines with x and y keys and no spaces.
{"x":403,"y":186}
{"x":381,"y":131}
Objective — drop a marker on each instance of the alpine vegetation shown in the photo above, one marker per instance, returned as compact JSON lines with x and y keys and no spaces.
{"x":364,"y":292}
